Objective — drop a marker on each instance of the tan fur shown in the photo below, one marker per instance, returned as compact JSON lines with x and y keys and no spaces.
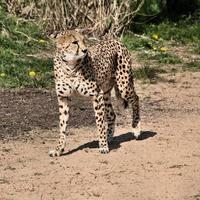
{"x":93,"y":72}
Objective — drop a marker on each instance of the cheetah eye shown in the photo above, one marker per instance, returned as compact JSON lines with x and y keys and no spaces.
{"x":75,"y":42}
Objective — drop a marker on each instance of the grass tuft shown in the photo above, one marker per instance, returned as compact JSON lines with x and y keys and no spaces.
{"x":21,"y":51}
{"x":166,"y":58}
{"x":192,"y":66}
{"x":148,"y":73}
{"x":155,"y":45}
{"x":133,"y":42}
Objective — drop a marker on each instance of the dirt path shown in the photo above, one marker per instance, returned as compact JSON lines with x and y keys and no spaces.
{"x":164,"y":164}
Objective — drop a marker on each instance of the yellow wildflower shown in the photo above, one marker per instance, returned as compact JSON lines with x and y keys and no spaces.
{"x":154,"y":48}
{"x":41,"y":41}
{"x":154,"y":36}
{"x":2,"y":74}
{"x":163,"y":49}
{"x":32,"y":74}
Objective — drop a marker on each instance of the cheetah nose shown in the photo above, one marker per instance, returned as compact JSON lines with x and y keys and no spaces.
{"x":84,"y":50}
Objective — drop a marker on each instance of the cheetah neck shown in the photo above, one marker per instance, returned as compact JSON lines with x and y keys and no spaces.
{"x":67,"y":69}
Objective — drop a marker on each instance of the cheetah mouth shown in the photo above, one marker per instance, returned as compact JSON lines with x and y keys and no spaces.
{"x":73,"y":59}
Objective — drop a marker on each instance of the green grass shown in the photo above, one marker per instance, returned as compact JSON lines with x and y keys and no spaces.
{"x":166,"y":58}
{"x":148,"y":74}
{"x":133,"y":42}
{"x":160,"y":58}
{"x":20,"y":43}
{"x":197,"y":47}
{"x":184,"y":32}
{"x":192,"y":66}
{"x":150,"y":49}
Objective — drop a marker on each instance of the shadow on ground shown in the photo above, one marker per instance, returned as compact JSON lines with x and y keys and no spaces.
{"x":116,"y":143}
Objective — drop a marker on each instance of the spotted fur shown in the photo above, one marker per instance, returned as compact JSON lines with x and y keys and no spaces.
{"x":94,"y":72}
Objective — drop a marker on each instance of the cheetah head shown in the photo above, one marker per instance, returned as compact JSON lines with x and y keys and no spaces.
{"x":71,"y":47}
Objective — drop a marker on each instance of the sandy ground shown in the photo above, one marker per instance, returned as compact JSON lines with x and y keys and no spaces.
{"x":163,"y":164}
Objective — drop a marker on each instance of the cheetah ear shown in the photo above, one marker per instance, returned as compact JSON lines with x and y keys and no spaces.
{"x":54,"y":37}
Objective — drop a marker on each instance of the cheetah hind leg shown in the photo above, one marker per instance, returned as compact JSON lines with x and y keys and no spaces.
{"x":129,"y":95}
{"x":110,"y":116}
{"x":136,"y":116}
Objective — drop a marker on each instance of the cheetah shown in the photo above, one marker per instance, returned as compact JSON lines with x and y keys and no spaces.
{"x":93,"y":72}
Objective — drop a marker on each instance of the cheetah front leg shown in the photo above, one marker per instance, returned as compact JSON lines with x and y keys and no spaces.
{"x":64,"y":116}
{"x":110,"y":116}
{"x":99,"y":108}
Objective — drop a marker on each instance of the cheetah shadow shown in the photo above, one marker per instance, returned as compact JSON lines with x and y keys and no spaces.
{"x":116,"y":143}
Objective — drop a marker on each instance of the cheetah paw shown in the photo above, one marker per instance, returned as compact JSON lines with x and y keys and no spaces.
{"x":137,"y":131}
{"x":104,"y":150}
{"x":55,"y":153}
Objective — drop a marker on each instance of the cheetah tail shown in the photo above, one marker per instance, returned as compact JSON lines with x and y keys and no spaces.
{"x":121,"y":102}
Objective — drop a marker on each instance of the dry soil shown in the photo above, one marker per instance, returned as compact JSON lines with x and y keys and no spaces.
{"x":163,"y":165}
